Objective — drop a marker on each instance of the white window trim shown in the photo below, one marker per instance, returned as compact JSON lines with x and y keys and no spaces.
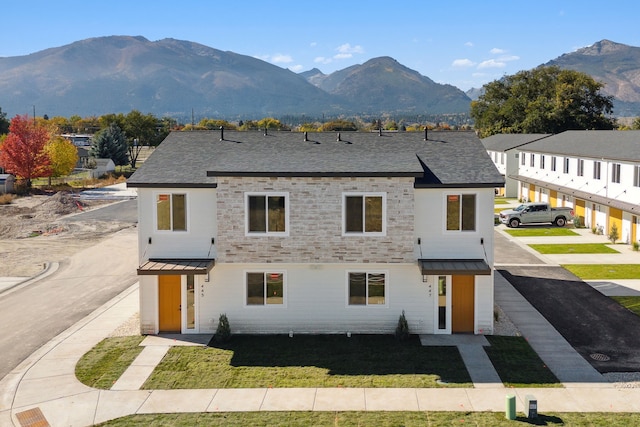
{"x":616,"y":170}
{"x":186,"y":213}
{"x":444,"y":213}
{"x":267,"y":194}
{"x":363,"y":195}
{"x":196,"y":307}
{"x":367,"y":305}
{"x":636,"y":176}
{"x":265,"y":305}
{"x":436,"y":329}
{"x":597,"y":169}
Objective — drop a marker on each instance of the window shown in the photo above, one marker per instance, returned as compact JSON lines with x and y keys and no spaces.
{"x":171,"y":212}
{"x":265,"y":288}
{"x":553,"y":163}
{"x":461,"y":212}
{"x":502,"y":158}
{"x":542,"y":161}
{"x":596,"y":169}
{"x":580,"y":167}
{"x":267,"y":213}
{"x":615,"y":173}
{"x":636,"y":176}
{"x":364,"y":213}
{"x":367,"y":288}
{"x":566,"y":165}
{"x":532,"y":160}
{"x":522,"y":162}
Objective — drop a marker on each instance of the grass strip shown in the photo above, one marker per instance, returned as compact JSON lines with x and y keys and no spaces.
{"x":517,"y":364}
{"x":630,"y":303}
{"x":604,"y":271}
{"x":366,"y":419}
{"x":580,"y":248}
{"x":541,"y":232}
{"x":102,"y":365}
{"x":310,"y":361}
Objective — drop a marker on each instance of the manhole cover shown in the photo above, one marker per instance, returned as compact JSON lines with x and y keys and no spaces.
{"x":599,"y":357}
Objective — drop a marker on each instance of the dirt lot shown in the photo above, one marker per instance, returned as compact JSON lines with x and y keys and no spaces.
{"x":32,"y":232}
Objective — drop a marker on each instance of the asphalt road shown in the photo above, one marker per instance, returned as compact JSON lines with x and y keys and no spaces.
{"x":125,"y":211}
{"x":32,"y":315}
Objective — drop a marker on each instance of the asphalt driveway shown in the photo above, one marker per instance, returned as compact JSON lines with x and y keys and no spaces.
{"x":603,"y":332}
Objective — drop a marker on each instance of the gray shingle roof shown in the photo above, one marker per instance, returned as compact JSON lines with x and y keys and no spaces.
{"x":597,"y":144}
{"x":508,"y":141}
{"x":197,"y":158}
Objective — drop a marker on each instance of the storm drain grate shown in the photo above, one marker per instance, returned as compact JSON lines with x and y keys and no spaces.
{"x":32,"y":418}
{"x":599,"y":357}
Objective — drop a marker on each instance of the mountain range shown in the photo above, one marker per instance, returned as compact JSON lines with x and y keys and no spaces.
{"x":174,"y":77}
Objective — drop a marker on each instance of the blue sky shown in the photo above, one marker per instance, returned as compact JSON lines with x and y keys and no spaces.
{"x":464,"y":43}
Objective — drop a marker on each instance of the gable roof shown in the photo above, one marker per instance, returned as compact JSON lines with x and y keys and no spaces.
{"x":509,"y":141}
{"x":597,"y":144}
{"x":197,"y":158}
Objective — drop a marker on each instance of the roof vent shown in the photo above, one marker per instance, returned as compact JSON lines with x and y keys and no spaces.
{"x":426,"y":136}
{"x":265,"y":131}
{"x":221,"y":133}
{"x":338,"y":138}
{"x":380,"y":131}
{"x":306,"y":138}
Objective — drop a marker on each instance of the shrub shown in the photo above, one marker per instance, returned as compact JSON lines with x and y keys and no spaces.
{"x":613,"y":233}
{"x":402,"y":330}
{"x":223,"y":332}
{"x":577,"y":222}
{"x":636,"y":246}
{"x":6,"y":199}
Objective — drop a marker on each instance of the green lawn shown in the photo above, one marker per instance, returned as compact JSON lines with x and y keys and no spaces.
{"x":580,"y":248}
{"x":500,"y":202}
{"x":517,"y":364}
{"x":631,"y":303}
{"x":103,"y":365}
{"x":604,"y":271}
{"x":373,"y":419}
{"x":539,"y":231}
{"x":310,"y":361}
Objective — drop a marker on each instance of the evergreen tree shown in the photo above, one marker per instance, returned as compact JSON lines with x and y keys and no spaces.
{"x":111,"y":143}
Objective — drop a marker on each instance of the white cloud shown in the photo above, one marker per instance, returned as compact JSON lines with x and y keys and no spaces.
{"x":463,"y":63}
{"x":508,"y":58}
{"x":322,"y":60}
{"x":348,"y":49}
{"x":491,"y":63}
{"x":469,"y":44}
{"x":296,"y":68}
{"x":279,"y":58}
{"x":497,"y":51}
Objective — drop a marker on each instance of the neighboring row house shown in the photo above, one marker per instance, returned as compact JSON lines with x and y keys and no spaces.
{"x":316,"y":233}
{"x":595,"y":172}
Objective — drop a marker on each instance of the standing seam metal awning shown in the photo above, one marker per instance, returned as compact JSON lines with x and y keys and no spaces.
{"x":475,"y":267}
{"x":164,"y":266}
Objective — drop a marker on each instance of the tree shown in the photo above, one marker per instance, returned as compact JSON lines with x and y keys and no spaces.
{"x":4,"y":123}
{"x":542,"y":100}
{"x":110,"y":143}
{"x":338,"y":125}
{"x":63,"y":155}
{"x":142,"y":130}
{"x":23,"y":152}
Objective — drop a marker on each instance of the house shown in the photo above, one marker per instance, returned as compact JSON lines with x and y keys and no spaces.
{"x":103,"y":167}
{"x":7,"y":183}
{"x":597,"y":172}
{"x":289,"y":232}
{"x":503,"y":150}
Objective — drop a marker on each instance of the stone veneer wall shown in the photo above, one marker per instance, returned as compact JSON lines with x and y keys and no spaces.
{"x":315,"y":222}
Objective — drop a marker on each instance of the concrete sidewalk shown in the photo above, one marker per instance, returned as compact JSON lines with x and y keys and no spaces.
{"x":46,"y":382}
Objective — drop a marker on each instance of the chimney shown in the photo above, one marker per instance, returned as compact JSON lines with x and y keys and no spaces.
{"x":221,"y":133}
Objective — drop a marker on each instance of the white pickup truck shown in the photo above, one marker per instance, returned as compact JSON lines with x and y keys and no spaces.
{"x":531,"y":213}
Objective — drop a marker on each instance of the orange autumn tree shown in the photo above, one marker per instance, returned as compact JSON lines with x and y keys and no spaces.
{"x":23,"y":151}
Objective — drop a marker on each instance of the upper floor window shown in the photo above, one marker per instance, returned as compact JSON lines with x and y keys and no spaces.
{"x":580,"y":167}
{"x":542,"y":161}
{"x":566,"y":165}
{"x":364,"y":213}
{"x":171,"y":212}
{"x":532,"y":160}
{"x":461,"y":212}
{"x":615,"y":173}
{"x":367,"y":288}
{"x":267,"y":213}
{"x":596,"y":169}
{"x":502,"y":158}
{"x":636,"y":176}
{"x":522,"y":155}
{"x":265,"y":288}
{"x":553,"y":163}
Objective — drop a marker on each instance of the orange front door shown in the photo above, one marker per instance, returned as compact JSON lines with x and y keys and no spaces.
{"x":462,"y":304}
{"x":169,"y":314}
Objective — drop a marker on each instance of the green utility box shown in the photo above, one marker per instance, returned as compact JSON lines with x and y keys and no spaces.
{"x":510,"y":410}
